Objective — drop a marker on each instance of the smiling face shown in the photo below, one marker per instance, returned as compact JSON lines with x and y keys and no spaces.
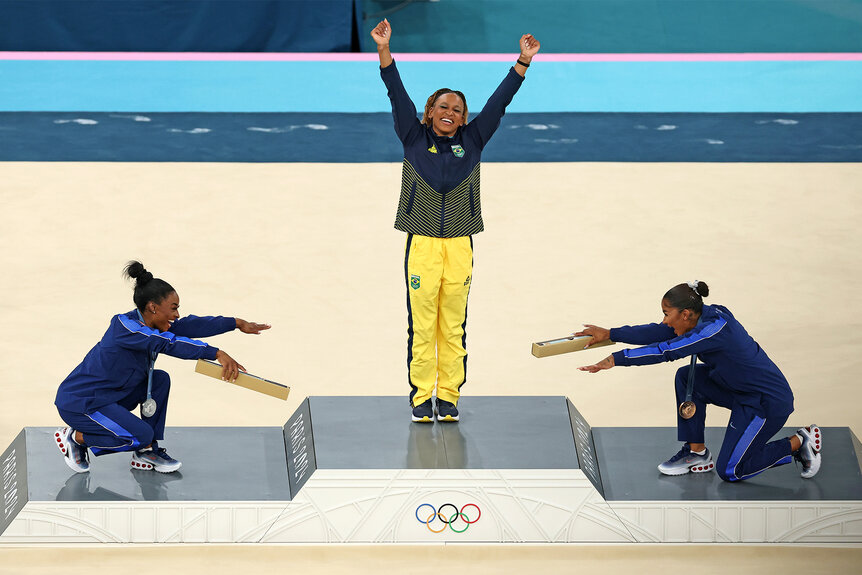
{"x":447,"y":114}
{"x":160,"y":315}
{"x":680,"y":321}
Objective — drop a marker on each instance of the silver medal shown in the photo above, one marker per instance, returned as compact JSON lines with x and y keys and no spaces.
{"x":148,"y":408}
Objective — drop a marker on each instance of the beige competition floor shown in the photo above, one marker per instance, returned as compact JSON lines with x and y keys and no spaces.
{"x":310,"y":248}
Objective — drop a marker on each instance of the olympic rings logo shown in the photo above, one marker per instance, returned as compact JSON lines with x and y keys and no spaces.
{"x":458,"y":516}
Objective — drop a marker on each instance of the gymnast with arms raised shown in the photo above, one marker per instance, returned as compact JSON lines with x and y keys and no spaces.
{"x":117,"y":375}
{"x":735,"y":373}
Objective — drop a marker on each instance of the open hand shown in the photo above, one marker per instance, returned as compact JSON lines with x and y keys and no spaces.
{"x":251,"y":327}
{"x":606,"y":363}
{"x":382,"y":33}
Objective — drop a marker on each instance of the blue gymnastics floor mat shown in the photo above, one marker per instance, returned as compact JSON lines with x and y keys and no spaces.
{"x":336,"y":137}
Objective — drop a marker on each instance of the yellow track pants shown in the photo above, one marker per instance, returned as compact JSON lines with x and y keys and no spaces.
{"x":438,"y":272}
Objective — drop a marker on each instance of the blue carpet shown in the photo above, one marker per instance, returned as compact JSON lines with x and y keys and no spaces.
{"x":336,"y":137}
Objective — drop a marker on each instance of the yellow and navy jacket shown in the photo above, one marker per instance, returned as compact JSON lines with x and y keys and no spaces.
{"x":440,"y":178}
{"x":734,"y":359}
{"x":120,"y":361}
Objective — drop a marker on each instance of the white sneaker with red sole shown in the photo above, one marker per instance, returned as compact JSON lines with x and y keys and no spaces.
{"x":157,"y":459}
{"x":687,"y":462}
{"x":74,"y":455}
{"x":809,"y":454}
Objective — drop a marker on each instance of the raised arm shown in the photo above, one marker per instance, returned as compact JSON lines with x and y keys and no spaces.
{"x":487,"y":121}
{"x":529,"y":48}
{"x":407,"y":125}
{"x":381,"y":34}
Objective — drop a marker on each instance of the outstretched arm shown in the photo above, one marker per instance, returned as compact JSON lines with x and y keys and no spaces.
{"x":529,"y":48}
{"x":381,"y":34}
{"x":606,"y":363}
{"x":251,"y":327}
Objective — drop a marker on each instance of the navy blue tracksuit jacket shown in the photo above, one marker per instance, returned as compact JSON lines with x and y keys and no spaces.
{"x":440,"y":176}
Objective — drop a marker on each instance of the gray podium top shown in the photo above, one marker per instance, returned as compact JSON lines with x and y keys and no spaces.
{"x":219,"y":464}
{"x":494,"y":433}
{"x":628,"y":457}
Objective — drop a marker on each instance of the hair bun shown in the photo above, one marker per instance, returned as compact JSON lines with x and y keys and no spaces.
{"x":700,"y":288}
{"x":136,"y":270}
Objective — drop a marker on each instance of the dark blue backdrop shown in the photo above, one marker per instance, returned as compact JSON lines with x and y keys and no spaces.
{"x":179,"y":26}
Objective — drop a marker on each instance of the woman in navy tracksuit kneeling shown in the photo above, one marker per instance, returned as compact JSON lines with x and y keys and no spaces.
{"x":735,"y":373}
{"x":117,"y":375}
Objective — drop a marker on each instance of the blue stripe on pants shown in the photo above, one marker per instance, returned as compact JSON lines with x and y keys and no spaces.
{"x":746,"y":450}
{"x":112,"y":428}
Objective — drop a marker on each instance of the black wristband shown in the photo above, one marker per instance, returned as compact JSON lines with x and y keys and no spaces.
{"x":524,"y":64}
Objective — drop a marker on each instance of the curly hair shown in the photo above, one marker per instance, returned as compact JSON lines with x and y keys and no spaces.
{"x":433,"y":98}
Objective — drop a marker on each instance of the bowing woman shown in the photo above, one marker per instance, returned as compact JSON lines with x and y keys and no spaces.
{"x":735,"y":374}
{"x":96,"y":400}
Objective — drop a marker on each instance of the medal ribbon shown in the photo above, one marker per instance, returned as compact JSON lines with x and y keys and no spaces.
{"x":152,"y":366}
{"x":689,"y":386}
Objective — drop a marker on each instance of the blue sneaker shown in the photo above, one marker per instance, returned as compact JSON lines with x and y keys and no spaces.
{"x":424,"y":413}
{"x":685,"y":461}
{"x":74,"y":455}
{"x":446,"y":411}
{"x":157,"y":459}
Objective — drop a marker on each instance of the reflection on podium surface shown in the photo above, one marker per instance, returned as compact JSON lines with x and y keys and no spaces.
{"x":154,"y":485}
{"x":77,"y":488}
{"x":436,"y":446}
{"x":85,"y":487}
{"x":425,"y":447}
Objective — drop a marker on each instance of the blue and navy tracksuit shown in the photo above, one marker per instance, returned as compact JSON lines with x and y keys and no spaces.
{"x":440,"y":209}
{"x":735,"y":373}
{"x":98,"y":396}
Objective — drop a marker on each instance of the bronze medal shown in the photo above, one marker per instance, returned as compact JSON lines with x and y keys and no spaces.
{"x":687,"y":409}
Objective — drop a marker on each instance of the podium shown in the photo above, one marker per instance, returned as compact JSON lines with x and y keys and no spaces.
{"x":356,"y":469}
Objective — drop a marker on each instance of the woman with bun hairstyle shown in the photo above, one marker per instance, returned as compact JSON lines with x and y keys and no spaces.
{"x":440,"y":210}
{"x":735,"y":373}
{"x":117,"y":375}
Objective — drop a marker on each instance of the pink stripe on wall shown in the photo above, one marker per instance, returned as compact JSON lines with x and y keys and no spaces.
{"x":371,"y":57}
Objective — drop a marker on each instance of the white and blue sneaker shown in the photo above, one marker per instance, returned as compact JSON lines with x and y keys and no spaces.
{"x":157,"y":459}
{"x":74,"y":455}
{"x":685,"y":461}
{"x":809,"y":453}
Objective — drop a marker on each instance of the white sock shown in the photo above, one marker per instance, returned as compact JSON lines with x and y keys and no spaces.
{"x":702,"y":452}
